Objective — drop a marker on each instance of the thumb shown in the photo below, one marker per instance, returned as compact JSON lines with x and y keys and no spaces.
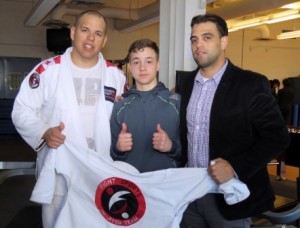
{"x":158,"y":128}
{"x":61,"y":126}
{"x":124,"y":128}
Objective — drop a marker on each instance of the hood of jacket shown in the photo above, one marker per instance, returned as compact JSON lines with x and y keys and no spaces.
{"x":158,"y":89}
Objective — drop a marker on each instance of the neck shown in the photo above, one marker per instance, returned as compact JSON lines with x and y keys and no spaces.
{"x":83,"y":62}
{"x":210,"y":71}
{"x":145,"y":87}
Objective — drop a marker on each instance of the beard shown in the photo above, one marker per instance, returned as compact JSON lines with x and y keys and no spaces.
{"x":209,"y":60}
{"x":202,"y":63}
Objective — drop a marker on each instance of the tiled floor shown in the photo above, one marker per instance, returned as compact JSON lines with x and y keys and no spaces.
{"x":14,"y":195}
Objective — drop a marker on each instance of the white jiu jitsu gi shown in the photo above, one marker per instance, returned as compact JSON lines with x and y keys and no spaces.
{"x":47,"y":97}
{"x":105,"y":193}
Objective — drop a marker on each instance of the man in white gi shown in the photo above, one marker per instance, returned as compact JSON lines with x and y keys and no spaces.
{"x":71,"y":96}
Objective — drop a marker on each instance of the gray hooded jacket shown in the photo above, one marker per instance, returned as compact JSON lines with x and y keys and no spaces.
{"x":142,"y":111}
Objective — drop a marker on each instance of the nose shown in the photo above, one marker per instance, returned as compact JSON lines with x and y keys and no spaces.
{"x":142,"y":66}
{"x":91,"y":36}
{"x":198,"y":43}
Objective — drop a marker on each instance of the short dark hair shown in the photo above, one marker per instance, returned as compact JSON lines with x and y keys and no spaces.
{"x":286,"y":82}
{"x":90,"y":12}
{"x":275,"y":82}
{"x":217,"y":20}
{"x":140,"y":45}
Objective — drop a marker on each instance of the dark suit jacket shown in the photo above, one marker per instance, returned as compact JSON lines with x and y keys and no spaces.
{"x":246,"y":129}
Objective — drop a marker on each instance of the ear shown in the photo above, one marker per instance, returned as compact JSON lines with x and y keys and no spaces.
{"x":72,"y":33}
{"x":224,"y":42}
{"x":104,"y":42}
{"x":158,"y":66}
{"x":129,"y":66}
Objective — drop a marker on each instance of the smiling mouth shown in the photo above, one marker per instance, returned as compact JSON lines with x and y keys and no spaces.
{"x":88,"y":46}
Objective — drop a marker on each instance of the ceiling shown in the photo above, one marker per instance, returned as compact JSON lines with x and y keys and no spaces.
{"x":240,"y":11}
{"x":138,"y":13}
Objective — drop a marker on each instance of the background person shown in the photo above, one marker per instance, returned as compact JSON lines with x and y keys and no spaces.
{"x":228,"y":116}
{"x":69,"y":96}
{"x":275,"y":84}
{"x":145,"y":124}
{"x":285,"y":98}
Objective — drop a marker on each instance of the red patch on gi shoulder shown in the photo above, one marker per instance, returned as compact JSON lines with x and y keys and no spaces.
{"x":34,"y":80}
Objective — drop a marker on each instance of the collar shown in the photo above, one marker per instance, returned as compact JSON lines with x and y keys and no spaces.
{"x":216,"y":77}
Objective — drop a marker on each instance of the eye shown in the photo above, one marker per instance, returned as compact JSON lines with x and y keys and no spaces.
{"x":207,"y":37}
{"x":135,"y":62}
{"x":193,"y":40}
{"x":99,"y":34}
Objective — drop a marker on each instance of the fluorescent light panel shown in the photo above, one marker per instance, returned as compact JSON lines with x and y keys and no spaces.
{"x":283,"y":16}
{"x":286,"y":18}
{"x":41,"y":9}
{"x":278,"y":17}
{"x":246,"y":24}
{"x":289,"y":35}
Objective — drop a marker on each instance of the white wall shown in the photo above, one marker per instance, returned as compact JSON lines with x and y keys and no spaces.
{"x":19,"y":41}
{"x":119,"y":42}
{"x":15,"y":39}
{"x":273,"y":58}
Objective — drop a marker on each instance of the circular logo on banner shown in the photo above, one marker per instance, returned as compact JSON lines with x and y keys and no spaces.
{"x":120,"y":201}
{"x":34,"y":80}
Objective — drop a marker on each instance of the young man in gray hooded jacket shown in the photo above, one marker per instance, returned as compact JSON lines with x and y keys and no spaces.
{"x":145,"y":124}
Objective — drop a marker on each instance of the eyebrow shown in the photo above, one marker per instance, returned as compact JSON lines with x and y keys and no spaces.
{"x":204,"y":34}
{"x":137,"y":58}
{"x":86,"y":27}
{"x":193,"y":37}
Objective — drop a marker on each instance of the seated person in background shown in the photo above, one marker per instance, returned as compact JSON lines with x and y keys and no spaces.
{"x":145,"y":124}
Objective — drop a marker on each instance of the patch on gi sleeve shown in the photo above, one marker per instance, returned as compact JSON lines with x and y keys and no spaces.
{"x":110,"y":94}
{"x":34,"y":80}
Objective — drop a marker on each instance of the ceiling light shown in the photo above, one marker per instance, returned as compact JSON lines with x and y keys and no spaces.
{"x":295,"y":5}
{"x":283,"y":16}
{"x":273,"y":18}
{"x":245,"y":24}
{"x":41,"y":9}
{"x":289,"y":35}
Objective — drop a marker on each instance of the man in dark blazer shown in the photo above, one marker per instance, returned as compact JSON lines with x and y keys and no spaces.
{"x":231,"y":124}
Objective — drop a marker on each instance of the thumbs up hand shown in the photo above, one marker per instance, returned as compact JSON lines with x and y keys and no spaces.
{"x":161,"y":140}
{"x":54,"y":137}
{"x":124,"y":140}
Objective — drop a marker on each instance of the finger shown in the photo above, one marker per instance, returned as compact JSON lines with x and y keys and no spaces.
{"x":118,"y":98}
{"x":158,"y":128}
{"x":212,"y":162}
{"x":61,"y":126}
{"x":124,"y":128}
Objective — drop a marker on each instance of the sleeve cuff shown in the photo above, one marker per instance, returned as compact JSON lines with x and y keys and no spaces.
{"x":40,"y":144}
